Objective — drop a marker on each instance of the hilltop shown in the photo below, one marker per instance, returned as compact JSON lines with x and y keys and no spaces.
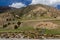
{"x":36,"y":12}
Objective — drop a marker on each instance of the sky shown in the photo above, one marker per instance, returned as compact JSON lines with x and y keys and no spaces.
{"x":24,"y":3}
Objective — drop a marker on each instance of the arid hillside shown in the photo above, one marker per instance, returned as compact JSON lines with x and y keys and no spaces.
{"x":34,"y":21}
{"x":37,"y":11}
{"x":10,"y":18}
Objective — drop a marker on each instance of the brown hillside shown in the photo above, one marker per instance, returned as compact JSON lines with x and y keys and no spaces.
{"x":38,"y":11}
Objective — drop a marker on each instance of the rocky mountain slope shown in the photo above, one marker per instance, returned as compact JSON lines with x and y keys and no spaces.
{"x":33,"y":12}
{"x":37,"y":11}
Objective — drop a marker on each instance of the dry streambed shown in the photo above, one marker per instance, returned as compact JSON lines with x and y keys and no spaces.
{"x":28,"y":35}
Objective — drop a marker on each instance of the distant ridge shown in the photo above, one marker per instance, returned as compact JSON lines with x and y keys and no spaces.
{"x":5,"y":8}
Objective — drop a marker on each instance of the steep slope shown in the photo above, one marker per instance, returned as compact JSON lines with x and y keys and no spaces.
{"x":37,"y":11}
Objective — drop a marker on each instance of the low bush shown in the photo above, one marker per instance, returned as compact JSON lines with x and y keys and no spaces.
{"x":5,"y":25}
{"x":15,"y":27}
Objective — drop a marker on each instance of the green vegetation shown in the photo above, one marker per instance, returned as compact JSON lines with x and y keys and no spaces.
{"x":18,"y":23}
{"x":26,"y":28}
{"x":9,"y":23}
{"x":53,"y":31}
{"x":5,"y":25}
{"x":17,"y":29}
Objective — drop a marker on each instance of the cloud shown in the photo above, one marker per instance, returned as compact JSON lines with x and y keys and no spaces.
{"x":17,"y":5}
{"x":47,"y":2}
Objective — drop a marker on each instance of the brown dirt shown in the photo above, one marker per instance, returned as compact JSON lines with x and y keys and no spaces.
{"x":47,"y":25}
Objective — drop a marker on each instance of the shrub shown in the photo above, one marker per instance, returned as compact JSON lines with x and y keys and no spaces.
{"x":18,"y":23}
{"x":10,"y":19}
{"x":5,"y":25}
{"x":9,"y":23}
{"x":7,"y":19}
{"x":54,"y":17}
{"x":15,"y":27}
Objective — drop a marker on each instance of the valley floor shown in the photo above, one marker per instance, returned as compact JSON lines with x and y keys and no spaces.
{"x":27,"y":30}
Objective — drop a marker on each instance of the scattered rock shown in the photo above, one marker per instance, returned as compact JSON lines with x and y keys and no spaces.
{"x":47,"y":25}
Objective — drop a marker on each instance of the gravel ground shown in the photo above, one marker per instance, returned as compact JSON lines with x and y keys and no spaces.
{"x":27,"y":39}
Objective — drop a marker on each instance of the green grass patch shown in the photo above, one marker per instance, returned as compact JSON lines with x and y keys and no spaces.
{"x":17,"y":30}
{"x":53,"y":31}
{"x":26,"y":28}
{"x":14,"y":30}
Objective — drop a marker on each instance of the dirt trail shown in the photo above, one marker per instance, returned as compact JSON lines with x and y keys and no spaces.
{"x":40,"y":20}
